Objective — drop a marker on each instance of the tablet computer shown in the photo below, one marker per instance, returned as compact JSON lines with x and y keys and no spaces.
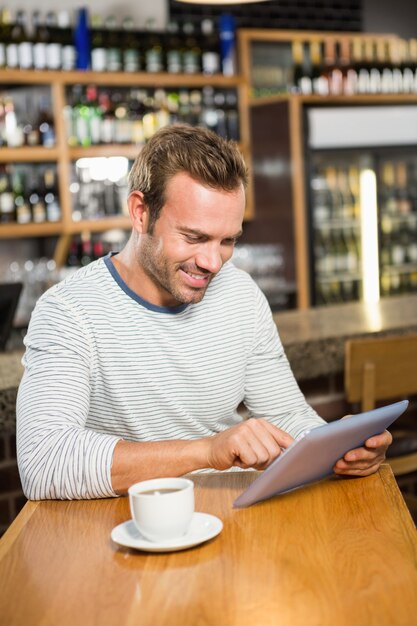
{"x":314,"y":454}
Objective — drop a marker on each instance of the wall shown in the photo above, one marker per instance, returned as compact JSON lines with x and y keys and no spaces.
{"x":386,"y":16}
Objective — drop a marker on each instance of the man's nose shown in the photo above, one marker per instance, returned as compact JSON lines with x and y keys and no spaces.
{"x":210,"y":259}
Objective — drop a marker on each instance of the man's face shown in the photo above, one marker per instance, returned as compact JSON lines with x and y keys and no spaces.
{"x":190,"y":241}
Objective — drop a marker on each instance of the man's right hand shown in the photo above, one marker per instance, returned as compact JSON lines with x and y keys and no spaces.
{"x":254,"y":443}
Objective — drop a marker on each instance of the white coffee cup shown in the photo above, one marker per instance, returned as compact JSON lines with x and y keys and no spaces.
{"x":162,"y":508}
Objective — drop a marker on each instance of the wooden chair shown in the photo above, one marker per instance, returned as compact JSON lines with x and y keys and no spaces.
{"x":385,"y":368}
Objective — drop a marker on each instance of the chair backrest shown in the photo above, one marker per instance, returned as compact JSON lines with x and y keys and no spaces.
{"x":382,"y":368}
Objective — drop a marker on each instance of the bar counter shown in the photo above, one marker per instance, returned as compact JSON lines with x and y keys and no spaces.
{"x":314,"y":341}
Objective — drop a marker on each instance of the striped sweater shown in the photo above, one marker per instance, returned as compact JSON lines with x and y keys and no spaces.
{"x":102,"y":364}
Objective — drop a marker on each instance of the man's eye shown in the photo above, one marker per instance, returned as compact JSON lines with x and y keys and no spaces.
{"x":193,"y":239}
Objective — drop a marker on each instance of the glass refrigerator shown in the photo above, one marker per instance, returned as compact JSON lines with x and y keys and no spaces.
{"x":361,"y":173}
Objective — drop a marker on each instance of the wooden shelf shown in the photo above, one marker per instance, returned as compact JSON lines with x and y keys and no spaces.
{"x":16,"y":231}
{"x":111,"y":150}
{"x":28,"y":154}
{"x":343,"y":99}
{"x":125,"y":79}
{"x":100,"y":225}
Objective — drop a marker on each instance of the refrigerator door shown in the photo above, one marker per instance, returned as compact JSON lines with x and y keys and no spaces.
{"x":343,"y":143}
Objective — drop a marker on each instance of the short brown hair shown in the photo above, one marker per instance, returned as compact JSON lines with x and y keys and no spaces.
{"x":206,"y":157}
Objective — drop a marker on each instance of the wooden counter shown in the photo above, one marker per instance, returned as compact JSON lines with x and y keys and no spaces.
{"x":314,"y":339}
{"x":340,"y":552}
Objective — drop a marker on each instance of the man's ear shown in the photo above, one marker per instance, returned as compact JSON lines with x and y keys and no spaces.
{"x":139,"y":212}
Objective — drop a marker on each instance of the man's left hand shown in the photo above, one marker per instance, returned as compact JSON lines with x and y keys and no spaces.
{"x":366,"y":460}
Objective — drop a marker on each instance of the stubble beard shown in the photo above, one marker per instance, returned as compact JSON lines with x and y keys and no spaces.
{"x":157,"y":267}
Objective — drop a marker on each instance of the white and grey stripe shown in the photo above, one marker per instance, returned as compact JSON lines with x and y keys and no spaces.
{"x":101,"y":364}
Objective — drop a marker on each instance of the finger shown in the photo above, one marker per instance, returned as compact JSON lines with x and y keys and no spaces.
{"x":282,"y":438}
{"x":379,"y":441}
{"x":367,"y":471}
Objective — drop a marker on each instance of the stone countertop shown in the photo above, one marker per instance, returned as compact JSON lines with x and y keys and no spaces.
{"x":314,"y":339}
{"x":11,"y":370}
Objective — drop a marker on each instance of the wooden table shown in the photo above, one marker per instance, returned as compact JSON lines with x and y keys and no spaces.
{"x":343,"y":551}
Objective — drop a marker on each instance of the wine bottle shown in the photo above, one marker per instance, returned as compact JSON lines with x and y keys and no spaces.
{"x":406,"y":67}
{"x":53,"y":209}
{"x":4,"y":37}
{"x":174,"y":49}
{"x":227,"y":29}
{"x":82,"y":39}
{"x":40,"y":41}
{"x":22,"y":208}
{"x":25,"y":45}
{"x":192,"y":51}
{"x":12,"y":46}
{"x":154,"y":54}
{"x":7,"y":205}
{"x":130,"y":53}
{"x":65,"y":38}
{"x":54,"y":46}
{"x":297,"y":66}
{"x":319,"y":83}
{"x":403,"y":198}
{"x":210,"y":56}
{"x":98,"y":50}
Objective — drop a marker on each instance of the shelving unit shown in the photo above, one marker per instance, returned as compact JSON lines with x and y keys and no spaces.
{"x":278,"y":137}
{"x":63,"y":155}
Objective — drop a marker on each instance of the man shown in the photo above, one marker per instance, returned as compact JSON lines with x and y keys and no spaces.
{"x":136,"y":365}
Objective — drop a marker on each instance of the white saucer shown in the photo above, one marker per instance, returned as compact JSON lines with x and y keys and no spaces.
{"x":203,"y":527}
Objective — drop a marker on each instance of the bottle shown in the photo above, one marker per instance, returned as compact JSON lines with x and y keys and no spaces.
{"x":403,"y":198}
{"x":37,"y":202}
{"x":53,"y":209}
{"x":40,"y":41}
{"x":54,"y":46}
{"x":65,"y":37}
{"x":349,"y":75}
{"x":22,"y":207}
{"x":210,"y":55}
{"x":319,"y":82}
{"x":394,"y":60}
{"x":82,"y":40}
{"x":86,"y":249}
{"x":406,"y":67}
{"x":131,"y":56}
{"x":12,"y":46}
{"x":25,"y":45}
{"x":95,"y":114}
{"x":192,"y":52}
{"x":174,"y":49}
{"x":98,"y":50}
{"x":81,"y":117}
{"x":361,"y":59}
{"x":227,"y":44}
{"x":154,"y":55}
{"x":385,"y":69}
{"x":4,"y":37}
{"x":45,"y":123}
{"x":297,"y":64}
{"x":7,"y":205}
{"x":113,"y":47}
{"x":332,"y":70}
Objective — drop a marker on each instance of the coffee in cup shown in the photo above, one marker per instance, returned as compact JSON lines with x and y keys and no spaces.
{"x":162,"y":508}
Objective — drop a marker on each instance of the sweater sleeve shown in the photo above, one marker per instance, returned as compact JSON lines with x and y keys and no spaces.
{"x":271,"y":390}
{"x":58,"y":456}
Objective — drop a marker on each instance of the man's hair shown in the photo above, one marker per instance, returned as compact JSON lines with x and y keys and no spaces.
{"x":206,"y":157}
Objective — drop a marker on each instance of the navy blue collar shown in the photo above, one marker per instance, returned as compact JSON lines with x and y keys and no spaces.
{"x":152,"y":307}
